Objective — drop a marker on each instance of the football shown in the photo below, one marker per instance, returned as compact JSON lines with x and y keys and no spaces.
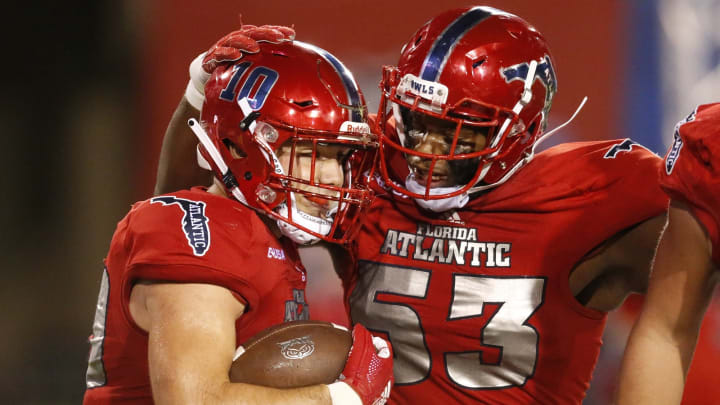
{"x":293,"y":354}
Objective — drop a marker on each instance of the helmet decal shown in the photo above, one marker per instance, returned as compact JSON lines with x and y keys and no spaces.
{"x":442,"y":48}
{"x":228,"y":93}
{"x":265,"y":75}
{"x":544,"y":72}
{"x":269,"y":78}
{"x":351,"y":87}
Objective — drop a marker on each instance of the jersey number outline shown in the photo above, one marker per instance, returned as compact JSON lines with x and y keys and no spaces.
{"x":507,"y":329}
{"x":266,"y":76}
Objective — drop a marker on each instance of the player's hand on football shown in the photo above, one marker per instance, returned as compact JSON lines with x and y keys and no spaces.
{"x":230,"y":48}
{"x":368,"y":374}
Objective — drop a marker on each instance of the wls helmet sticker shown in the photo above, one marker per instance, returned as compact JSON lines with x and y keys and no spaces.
{"x":194,"y":222}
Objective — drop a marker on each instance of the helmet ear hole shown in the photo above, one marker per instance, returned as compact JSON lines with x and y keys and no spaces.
{"x":536,"y":125}
{"x":234,"y":149}
{"x":533,"y":127}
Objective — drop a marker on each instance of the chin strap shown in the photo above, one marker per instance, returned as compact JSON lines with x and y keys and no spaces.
{"x":227,"y":176}
{"x":296,"y":234}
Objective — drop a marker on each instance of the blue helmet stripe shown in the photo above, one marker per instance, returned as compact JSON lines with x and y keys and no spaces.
{"x":445,"y":43}
{"x":351,"y":87}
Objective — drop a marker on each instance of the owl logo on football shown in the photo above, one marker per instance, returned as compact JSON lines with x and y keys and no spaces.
{"x":297,"y":348}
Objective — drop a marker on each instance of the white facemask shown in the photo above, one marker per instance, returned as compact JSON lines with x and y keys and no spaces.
{"x":439,"y":205}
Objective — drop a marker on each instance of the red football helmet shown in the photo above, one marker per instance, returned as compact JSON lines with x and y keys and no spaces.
{"x":290,"y":95}
{"x":478,"y":68}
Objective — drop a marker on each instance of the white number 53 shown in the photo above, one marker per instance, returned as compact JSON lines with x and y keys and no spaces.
{"x":518,"y":299}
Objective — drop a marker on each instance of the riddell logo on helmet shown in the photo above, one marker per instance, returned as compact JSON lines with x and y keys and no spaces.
{"x":359,"y":127}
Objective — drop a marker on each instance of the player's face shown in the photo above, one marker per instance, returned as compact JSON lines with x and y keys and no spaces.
{"x":328,"y":170}
{"x":432,"y":135}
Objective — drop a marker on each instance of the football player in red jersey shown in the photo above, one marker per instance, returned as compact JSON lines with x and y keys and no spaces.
{"x":488,"y":267}
{"x":493,"y":268}
{"x":684,"y":273}
{"x":192,"y":274}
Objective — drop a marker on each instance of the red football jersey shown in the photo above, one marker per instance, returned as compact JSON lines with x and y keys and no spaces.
{"x":477,"y":305}
{"x":189,"y":236}
{"x":692,"y":169}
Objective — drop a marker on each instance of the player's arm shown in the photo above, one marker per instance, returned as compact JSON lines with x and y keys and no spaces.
{"x":619,"y":266}
{"x":663,"y":340}
{"x":177,"y":167}
{"x":191,"y":343}
{"x":191,"y":332}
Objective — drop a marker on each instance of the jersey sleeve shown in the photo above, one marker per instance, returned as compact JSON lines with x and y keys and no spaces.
{"x":186,"y":244}
{"x":611,"y":185}
{"x":691,"y":172}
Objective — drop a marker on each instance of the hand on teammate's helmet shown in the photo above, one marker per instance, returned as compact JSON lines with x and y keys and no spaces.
{"x":230,"y":48}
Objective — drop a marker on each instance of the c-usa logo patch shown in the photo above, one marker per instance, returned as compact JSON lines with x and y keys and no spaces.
{"x":194,"y":223}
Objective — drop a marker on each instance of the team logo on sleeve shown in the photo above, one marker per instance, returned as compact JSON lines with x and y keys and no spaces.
{"x":194,"y":222}
{"x":674,"y":152}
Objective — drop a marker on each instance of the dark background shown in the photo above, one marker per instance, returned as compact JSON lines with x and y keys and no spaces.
{"x":89,"y":86}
